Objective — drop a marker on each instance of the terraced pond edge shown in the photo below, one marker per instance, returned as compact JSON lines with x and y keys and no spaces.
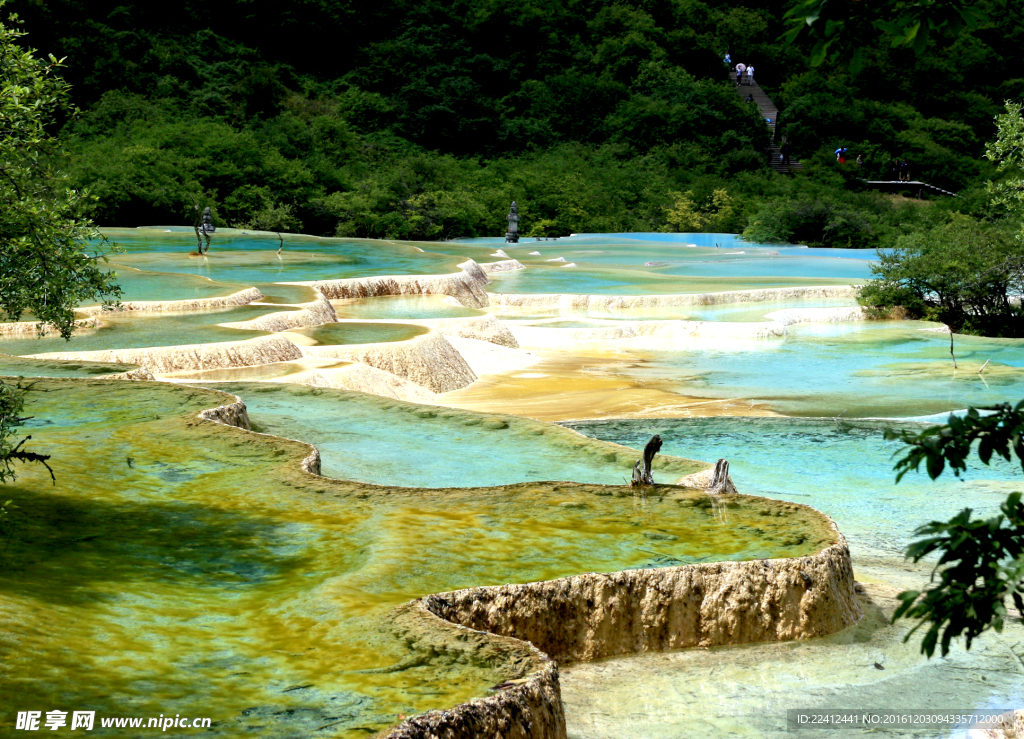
{"x":525,"y":629}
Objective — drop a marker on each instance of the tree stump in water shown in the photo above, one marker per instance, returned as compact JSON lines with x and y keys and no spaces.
{"x":720,"y":482}
{"x":642,"y":468}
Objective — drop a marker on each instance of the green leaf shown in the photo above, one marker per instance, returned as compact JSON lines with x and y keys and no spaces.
{"x":819,"y":53}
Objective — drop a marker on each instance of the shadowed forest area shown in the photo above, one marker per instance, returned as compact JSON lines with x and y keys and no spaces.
{"x":422,"y":120}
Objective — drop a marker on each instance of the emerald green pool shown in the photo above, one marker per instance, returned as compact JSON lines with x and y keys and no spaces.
{"x":361,"y":333}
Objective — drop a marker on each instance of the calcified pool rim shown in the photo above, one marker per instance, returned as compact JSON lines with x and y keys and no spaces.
{"x":527,"y":628}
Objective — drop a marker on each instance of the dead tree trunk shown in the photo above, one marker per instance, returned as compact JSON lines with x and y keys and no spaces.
{"x":642,"y":474}
{"x":720,"y":482}
{"x":197,"y":222}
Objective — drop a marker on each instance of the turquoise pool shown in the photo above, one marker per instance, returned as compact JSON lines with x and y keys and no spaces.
{"x":843,"y":468}
{"x":885,"y":368}
{"x":388,"y":442}
{"x":130,"y":330}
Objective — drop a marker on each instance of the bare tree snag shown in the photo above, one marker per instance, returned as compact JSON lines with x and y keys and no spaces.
{"x":203,"y":226}
{"x":720,"y":482}
{"x":642,"y":474}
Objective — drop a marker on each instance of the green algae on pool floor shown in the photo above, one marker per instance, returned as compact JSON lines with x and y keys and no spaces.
{"x":13,"y":366}
{"x":619,"y":281}
{"x":361,"y":333}
{"x":841,"y":467}
{"x":184,"y":567}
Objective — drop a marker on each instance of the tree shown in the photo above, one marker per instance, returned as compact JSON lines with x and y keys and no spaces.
{"x":981,"y":562}
{"x":45,"y":268}
{"x":964,"y":273}
{"x":717,"y":214}
{"x":1007,"y":151}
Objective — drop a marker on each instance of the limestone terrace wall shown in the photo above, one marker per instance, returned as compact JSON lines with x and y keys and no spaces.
{"x":466,"y":286}
{"x":569,"y":303}
{"x":242,"y":297}
{"x":249,"y":353}
{"x":592,"y":616}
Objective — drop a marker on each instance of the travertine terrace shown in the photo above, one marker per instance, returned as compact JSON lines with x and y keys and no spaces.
{"x":448,"y":562}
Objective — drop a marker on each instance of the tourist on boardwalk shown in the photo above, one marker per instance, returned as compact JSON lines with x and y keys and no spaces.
{"x":750,"y":99}
{"x":785,"y":153}
{"x":750,"y":74}
{"x":894,"y":170}
{"x":740,"y":69}
{"x":728,"y":60}
{"x":904,"y":171}
{"x":860,"y":160}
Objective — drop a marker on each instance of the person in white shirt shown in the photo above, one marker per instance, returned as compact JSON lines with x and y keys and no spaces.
{"x":750,"y":74}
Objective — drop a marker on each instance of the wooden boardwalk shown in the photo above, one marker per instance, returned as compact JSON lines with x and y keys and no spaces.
{"x":921,"y":187}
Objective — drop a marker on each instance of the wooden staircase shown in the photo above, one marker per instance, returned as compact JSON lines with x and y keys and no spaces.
{"x":768,"y":112}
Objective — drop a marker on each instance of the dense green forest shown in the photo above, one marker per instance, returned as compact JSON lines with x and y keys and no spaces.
{"x":423,"y":119}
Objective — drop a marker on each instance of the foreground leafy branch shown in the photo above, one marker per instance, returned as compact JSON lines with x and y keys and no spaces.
{"x":998,"y":431}
{"x":12,"y":402}
{"x":840,"y":30}
{"x":981,"y":561}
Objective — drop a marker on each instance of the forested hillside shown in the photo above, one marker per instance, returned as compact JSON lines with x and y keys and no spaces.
{"x":424,"y":119}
